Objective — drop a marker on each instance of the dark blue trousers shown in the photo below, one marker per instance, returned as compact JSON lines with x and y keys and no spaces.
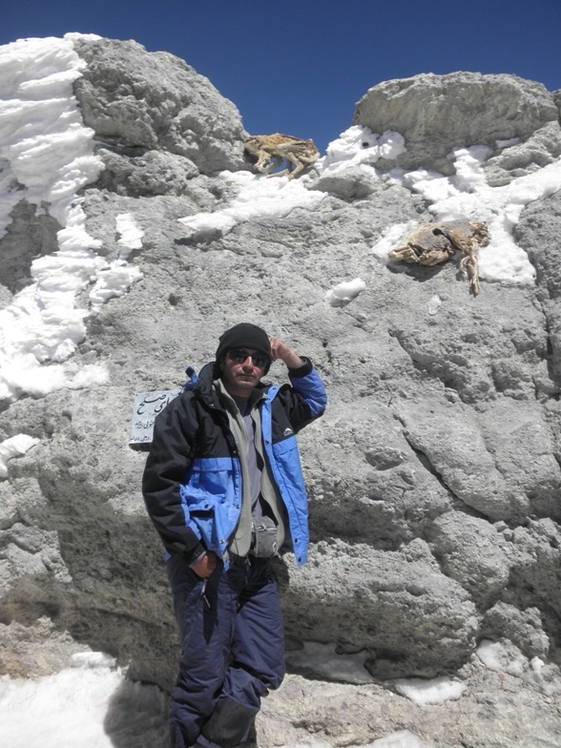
{"x":232,"y":651}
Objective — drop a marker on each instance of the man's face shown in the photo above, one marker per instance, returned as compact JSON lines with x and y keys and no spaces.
{"x":240,"y":373}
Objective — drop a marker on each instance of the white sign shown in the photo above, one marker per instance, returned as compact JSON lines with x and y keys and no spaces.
{"x":147,"y":405}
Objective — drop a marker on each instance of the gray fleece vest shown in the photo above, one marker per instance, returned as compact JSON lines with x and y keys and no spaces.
{"x":265,"y":496}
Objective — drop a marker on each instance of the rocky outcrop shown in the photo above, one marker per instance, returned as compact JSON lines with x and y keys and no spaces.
{"x":437,"y":113}
{"x":434,"y":476}
{"x":159,"y":122}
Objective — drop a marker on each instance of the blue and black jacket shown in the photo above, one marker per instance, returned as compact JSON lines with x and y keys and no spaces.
{"x":192,"y":480}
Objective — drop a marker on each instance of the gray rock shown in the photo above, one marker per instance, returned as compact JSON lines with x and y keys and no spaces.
{"x":538,"y":232}
{"x":154,"y":101}
{"x":522,"y":627}
{"x":30,"y":234}
{"x":398,"y":605}
{"x":511,"y":435}
{"x":543,"y":147}
{"x":353,"y":183}
{"x":469,"y":550}
{"x":34,"y":651}
{"x":146,"y":173}
{"x":436,"y":113}
{"x":497,"y":714}
{"x":434,"y":475}
{"x":535,"y":553}
{"x":557,"y":99}
{"x":454,"y":448}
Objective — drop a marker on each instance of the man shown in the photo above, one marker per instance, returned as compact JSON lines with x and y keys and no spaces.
{"x":224,"y":488}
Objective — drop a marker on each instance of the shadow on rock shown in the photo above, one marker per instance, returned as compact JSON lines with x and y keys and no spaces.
{"x":137,"y":716}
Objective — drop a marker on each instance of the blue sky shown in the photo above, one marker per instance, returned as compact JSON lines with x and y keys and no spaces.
{"x":299,"y":66}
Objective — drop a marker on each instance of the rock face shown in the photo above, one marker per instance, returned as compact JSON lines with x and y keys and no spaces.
{"x":150,"y":109}
{"x":436,"y":113}
{"x":434,"y":477}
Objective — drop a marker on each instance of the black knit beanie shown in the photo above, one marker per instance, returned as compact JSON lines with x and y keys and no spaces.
{"x":244,"y":335}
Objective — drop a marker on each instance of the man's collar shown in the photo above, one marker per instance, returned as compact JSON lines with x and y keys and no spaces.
{"x":257,"y":394}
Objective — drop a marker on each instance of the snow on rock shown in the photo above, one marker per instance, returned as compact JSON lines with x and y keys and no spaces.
{"x":46,"y":157}
{"x":359,"y":146}
{"x":401,"y":739}
{"x":505,"y":657}
{"x":118,"y":276}
{"x":343,"y":293}
{"x":502,"y":658}
{"x":258,"y":197}
{"x":15,"y":446}
{"x":433,"y":691}
{"x":467,"y":196}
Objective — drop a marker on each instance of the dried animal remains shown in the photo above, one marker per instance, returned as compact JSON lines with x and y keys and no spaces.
{"x":434,"y":243}
{"x":267,"y":152}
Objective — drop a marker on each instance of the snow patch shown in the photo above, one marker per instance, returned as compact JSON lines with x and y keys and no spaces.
{"x":434,"y":691}
{"x":89,"y":704}
{"x":258,"y":197}
{"x":467,"y":196}
{"x":359,"y":146}
{"x":401,"y":739}
{"x":15,"y":446}
{"x":505,"y":657}
{"x":46,"y":157}
{"x":391,"y":238}
{"x":343,"y":293}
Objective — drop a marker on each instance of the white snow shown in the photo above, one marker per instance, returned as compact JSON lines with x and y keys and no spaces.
{"x":505,"y":657}
{"x":496,"y":657}
{"x":258,"y":197}
{"x":15,"y":446}
{"x":88,"y":705}
{"x":431,"y":691}
{"x":435,"y":302}
{"x":116,"y":279}
{"x":359,"y":146}
{"x":543,"y":677}
{"x":46,"y":157}
{"x":344,"y":292}
{"x":390,"y":239}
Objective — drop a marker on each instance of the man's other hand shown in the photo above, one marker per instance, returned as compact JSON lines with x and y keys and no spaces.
{"x":206,"y":565}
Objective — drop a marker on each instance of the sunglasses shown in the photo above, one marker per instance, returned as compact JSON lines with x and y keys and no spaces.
{"x":238,"y":356}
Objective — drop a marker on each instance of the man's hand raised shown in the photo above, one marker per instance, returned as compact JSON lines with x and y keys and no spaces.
{"x":284,"y":352}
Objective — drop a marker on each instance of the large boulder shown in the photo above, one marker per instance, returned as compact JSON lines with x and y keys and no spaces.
{"x":437,"y":113}
{"x":156,"y":112}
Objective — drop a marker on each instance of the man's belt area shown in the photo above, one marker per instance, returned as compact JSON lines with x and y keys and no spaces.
{"x":264,"y":541}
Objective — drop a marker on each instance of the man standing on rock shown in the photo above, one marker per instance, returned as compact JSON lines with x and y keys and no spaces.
{"x":223,"y":485}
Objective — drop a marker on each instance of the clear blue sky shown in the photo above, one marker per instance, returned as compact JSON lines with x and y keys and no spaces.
{"x":299,"y":66}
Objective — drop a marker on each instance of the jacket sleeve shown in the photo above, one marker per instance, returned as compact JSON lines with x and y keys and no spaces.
{"x":167,"y":467}
{"x":305,"y":399}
